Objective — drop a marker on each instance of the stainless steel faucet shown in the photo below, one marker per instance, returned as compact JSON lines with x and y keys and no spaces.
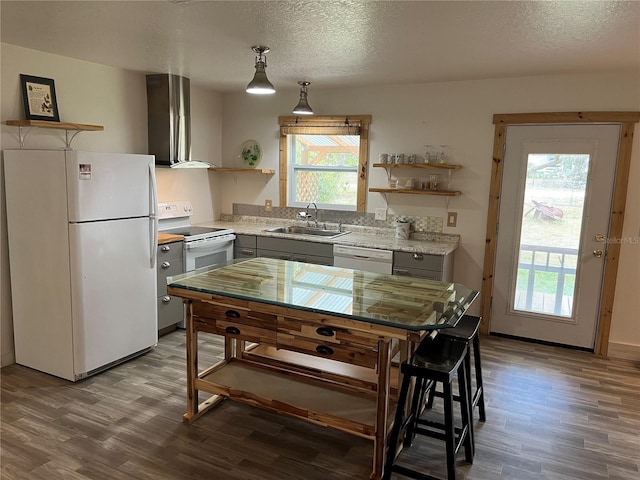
{"x":315,"y":208}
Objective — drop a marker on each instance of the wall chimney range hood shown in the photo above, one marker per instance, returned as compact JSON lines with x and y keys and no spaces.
{"x":169,"y":121}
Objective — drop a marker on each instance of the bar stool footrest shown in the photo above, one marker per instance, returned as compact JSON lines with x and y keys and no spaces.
{"x":459,"y":439}
{"x":412,"y":473}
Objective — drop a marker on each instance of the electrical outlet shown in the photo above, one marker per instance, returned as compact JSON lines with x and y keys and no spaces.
{"x":268,"y":205}
{"x":381,"y":214}
{"x":452,"y":219}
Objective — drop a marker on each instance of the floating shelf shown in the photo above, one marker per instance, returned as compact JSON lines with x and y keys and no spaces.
{"x":444,"y":166}
{"x":66,"y":126}
{"x":58,"y":125}
{"x":442,"y":193}
{"x":262,"y":171}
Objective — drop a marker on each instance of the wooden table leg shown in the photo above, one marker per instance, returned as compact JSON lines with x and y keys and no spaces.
{"x":382,"y":416}
{"x":192,"y":365}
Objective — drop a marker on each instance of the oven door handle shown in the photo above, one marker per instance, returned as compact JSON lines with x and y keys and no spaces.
{"x":208,"y":244}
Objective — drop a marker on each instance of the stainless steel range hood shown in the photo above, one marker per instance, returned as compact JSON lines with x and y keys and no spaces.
{"x":169,"y":121}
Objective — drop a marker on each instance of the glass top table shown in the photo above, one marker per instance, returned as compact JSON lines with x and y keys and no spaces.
{"x":408,"y":303}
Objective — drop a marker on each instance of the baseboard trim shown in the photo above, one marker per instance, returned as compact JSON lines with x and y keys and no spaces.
{"x":626,"y":351}
{"x":541,"y":342}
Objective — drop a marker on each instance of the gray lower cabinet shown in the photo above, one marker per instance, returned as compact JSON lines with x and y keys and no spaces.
{"x":296,"y":250}
{"x":244,"y":246}
{"x":170,"y":309}
{"x":422,"y":265}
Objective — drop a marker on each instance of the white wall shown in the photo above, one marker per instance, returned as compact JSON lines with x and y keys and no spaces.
{"x":96,"y":94}
{"x":458,"y":114}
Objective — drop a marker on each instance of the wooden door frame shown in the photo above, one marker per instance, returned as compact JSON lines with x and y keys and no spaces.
{"x":627,"y":121}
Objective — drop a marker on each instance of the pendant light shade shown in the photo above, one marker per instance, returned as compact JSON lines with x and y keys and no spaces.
{"x":260,"y":84}
{"x":303,"y":108}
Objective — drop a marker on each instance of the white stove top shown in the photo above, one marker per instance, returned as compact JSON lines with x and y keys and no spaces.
{"x":174,"y":217}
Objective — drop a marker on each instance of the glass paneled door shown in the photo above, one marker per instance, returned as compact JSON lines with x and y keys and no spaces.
{"x":553,"y":224}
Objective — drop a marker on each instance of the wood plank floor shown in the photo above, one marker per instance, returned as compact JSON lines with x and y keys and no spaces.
{"x":552,"y":413}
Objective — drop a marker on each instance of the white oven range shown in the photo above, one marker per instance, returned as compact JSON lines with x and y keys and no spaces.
{"x":203,"y":246}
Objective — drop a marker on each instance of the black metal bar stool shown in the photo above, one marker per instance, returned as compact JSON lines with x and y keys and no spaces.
{"x":437,"y":360}
{"x":467,"y":330}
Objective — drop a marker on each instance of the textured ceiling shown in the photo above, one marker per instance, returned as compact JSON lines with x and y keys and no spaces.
{"x":334,"y":43}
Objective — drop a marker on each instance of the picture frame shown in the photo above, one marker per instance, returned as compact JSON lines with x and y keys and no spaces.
{"x":39,"y":98}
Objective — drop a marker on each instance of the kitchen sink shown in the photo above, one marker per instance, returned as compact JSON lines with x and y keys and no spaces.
{"x":296,"y":230}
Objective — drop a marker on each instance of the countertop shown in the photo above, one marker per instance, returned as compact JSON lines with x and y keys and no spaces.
{"x":168,"y":238}
{"x":359,"y":236}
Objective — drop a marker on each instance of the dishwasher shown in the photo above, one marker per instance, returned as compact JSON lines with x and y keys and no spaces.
{"x":360,"y":258}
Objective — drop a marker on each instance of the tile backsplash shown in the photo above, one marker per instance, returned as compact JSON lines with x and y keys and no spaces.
{"x":420,"y":224}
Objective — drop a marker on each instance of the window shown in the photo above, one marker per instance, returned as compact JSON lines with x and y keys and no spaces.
{"x":324,"y":160}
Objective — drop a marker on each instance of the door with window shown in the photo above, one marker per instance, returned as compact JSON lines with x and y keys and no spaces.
{"x":553,"y":225}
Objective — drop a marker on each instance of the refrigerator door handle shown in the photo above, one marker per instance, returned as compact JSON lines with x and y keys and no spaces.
{"x":153,"y":215}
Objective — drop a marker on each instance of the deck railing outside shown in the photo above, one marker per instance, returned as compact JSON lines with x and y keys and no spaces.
{"x":546,"y":279}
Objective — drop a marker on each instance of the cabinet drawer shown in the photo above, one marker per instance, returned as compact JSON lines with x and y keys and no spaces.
{"x":341,"y":352}
{"x":415,"y":272}
{"x":170,"y":251}
{"x":167,"y":268}
{"x":236,"y":322}
{"x":327,"y":333}
{"x":335,"y":343}
{"x":170,"y":311}
{"x":245,"y":241}
{"x":244,"y":252}
{"x":241,"y":331}
{"x":407,"y":260}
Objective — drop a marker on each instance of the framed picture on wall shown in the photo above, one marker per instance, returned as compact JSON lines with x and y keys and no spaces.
{"x":39,"y":98}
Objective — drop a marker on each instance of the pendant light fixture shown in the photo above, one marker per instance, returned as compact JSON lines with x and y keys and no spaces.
{"x":303,"y":108}
{"x":260,"y":85}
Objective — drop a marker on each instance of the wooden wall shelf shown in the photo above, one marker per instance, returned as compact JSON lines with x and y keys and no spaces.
{"x":442,"y":193}
{"x":444,"y":166}
{"x":66,"y":126}
{"x":262,"y":171}
{"x":58,"y":125}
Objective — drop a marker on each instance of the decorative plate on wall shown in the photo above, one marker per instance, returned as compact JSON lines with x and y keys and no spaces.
{"x":251,"y":153}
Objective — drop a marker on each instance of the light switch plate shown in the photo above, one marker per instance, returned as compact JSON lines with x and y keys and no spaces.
{"x":268,"y":205}
{"x":452,"y":219}
{"x":381,"y":214}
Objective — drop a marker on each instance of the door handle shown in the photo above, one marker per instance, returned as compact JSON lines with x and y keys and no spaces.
{"x":600,"y":238}
{"x":165,"y":265}
{"x":597,"y":253}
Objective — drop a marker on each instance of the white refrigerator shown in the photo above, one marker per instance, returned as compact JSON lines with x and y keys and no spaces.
{"x":82,"y":230}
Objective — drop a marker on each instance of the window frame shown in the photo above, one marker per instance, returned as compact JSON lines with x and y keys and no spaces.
{"x":326,"y":125}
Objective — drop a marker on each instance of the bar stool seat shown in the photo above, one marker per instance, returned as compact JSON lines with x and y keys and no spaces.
{"x":437,"y":360}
